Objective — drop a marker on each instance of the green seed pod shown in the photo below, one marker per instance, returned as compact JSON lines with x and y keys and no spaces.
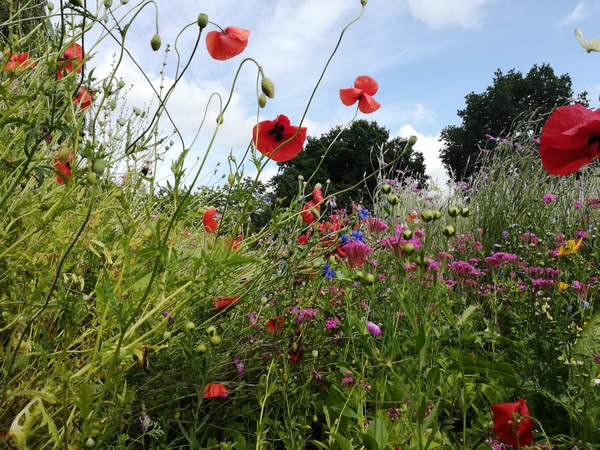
{"x":412,"y":140}
{"x":215,"y":340}
{"x":99,"y":166}
{"x":449,"y":231}
{"x":231,"y":179}
{"x":393,"y":199}
{"x":453,"y":211}
{"x":108,"y":3}
{"x":408,"y":248}
{"x":155,"y":42}
{"x":91,"y":178}
{"x":148,"y":233}
{"x":50,"y":6}
{"x":427,"y":215}
{"x":262,"y":101}
{"x":201,"y":348}
{"x":267,"y":87}
{"x":202,"y":20}
{"x":464,"y":212}
{"x":386,"y":188}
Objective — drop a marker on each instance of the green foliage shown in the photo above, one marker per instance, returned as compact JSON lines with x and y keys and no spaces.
{"x":346,"y":156}
{"x":500,"y":111}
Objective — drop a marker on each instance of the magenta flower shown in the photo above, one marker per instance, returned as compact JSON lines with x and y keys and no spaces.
{"x":356,"y":252}
{"x":373,"y":328}
{"x":332,"y":323}
{"x":549,"y":198}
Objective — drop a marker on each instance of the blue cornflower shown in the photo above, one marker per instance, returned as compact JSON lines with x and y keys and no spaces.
{"x":328,"y":272}
{"x":358,"y":235}
{"x":344,"y":238}
{"x":267,"y":200}
{"x":363,"y":213}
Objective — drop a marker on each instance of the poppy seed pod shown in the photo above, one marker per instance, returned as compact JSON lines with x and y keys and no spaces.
{"x":108,"y":3}
{"x":262,"y":100}
{"x":202,"y":20}
{"x":155,"y":42}
{"x":99,"y":166}
{"x":267,"y":87}
{"x":412,"y":140}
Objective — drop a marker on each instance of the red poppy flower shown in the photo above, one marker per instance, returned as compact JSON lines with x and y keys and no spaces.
{"x":213,"y":390}
{"x":310,"y":211}
{"x":269,"y":135}
{"x":64,"y":168}
{"x":223,"y":302}
{"x":512,"y":423}
{"x":570,"y":139}
{"x":234,"y":243}
{"x":83,"y":98}
{"x":71,"y":59}
{"x":19,"y":62}
{"x":364,"y":88}
{"x":275,"y":325}
{"x":210,"y":224}
{"x":317,"y":193}
{"x":228,"y":43}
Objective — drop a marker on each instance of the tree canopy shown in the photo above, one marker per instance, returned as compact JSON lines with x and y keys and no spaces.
{"x":511,"y":98}
{"x":353,"y":156}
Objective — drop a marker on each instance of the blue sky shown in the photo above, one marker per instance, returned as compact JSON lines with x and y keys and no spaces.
{"x":425,"y":54}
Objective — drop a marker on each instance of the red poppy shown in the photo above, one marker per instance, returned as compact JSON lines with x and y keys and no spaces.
{"x":19,"y":62}
{"x":310,"y":211}
{"x":64,"y":168}
{"x":71,"y":59}
{"x":317,"y":193}
{"x":213,"y":390}
{"x":228,"y":43}
{"x":83,"y":98}
{"x":512,"y":423}
{"x":234,"y":243}
{"x":210,"y":224}
{"x":275,"y":325}
{"x":364,"y":88}
{"x":570,"y":139}
{"x":223,"y":302}
{"x":271,"y":138}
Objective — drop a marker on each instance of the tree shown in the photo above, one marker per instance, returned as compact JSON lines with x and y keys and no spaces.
{"x":21,"y":17}
{"x":511,"y":99}
{"x":355,"y":155}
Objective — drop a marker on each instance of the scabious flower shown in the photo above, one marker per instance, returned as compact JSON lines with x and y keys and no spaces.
{"x":332,"y":323}
{"x":570,"y":139}
{"x":213,"y":390}
{"x":227,"y":43}
{"x":208,"y":220}
{"x":19,"y":62}
{"x":356,"y":252}
{"x":549,"y":198}
{"x":373,"y":328}
{"x":278,"y":139}
{"x":364,"y":88}
{"x":512,"y":423}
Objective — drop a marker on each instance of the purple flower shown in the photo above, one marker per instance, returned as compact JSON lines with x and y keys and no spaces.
{"x":307,"y":313}
{"x":373,"y":328}
{"x":328,"y":272}
{"x":363,"y":213}
{"x":549,"y":198}
{"x":577,"y":205}
{"x":356,"y":253}
{"x":332,"y":323}
{"x":239,"y":365}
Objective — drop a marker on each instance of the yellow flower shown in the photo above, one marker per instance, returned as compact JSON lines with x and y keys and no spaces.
{"x":570,"y":247}
{"x":562,"y":286}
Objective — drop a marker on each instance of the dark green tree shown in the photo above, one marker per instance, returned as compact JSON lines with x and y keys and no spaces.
{"x":19,"y":18}
{"x":509,"y":103}
{"x":358,"y":152}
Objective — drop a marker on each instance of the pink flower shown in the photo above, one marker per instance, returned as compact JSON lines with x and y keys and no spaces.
{"x":373,"y":328}
{"x":356,"y":252}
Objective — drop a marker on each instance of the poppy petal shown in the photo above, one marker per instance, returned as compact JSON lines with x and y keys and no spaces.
{"x":349,"y":96}
{"x":226,"y":44}
{"x":367,"y":104}
{"x":277,"y":139}
{"x":366,"y":84}
{"x":210,"y":224}
{"x":213,"y":390}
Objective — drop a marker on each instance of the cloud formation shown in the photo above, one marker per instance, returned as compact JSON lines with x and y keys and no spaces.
{"x":448,"y":13}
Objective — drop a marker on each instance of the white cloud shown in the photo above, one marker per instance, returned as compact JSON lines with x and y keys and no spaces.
{"x":429,"y":146}
{"x":576,"y":15}
{"x":448,"y":13}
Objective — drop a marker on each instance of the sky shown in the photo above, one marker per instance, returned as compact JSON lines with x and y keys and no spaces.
{"x":426,"y":55}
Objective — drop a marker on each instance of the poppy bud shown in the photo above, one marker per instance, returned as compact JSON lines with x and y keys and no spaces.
{"x":98,"y":166}
{"x":215,"y":339}
{"x":262,"y":100}
{"x":315,"y":353}
{"x":412,"y":140}
{"x":449,"y":231}
{"x":369,"y":278}
{"x":91,"y":178}
{"x":219,"y":119}
{"x":315,"y":418}
{"x":231,"y":179}
{"x":89,"y":443}
{"x":393,"y":199}
{"x":107,"y":3}
{"x":64,"y":154}
{"x":211,"y":329}
{"x":50,"y":6}
{"x":453,"y":211}
{"x":202,"y":20}
{"x":294,"y":347}
{"x":201,"y":348}
{"x":386,"y":188}
{"x":148,"y":233}
{"x":267,"y":87}
{"x":155,"y":42}
{"x":427,"y":215}
{"x":363,"y":2}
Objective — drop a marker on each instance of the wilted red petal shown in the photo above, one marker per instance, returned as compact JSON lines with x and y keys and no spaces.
{"x":270,"y":136}
{"x":367,"y":104}
{"x":223,"y":302}
{"x":570,"y":139}
{"x":210,"y":224}
{"x":213,"y":390}
{"x":506,"y":427}
{"x":230,"y":42}
{"x":366,"y":84}
{"x":83,"y":98}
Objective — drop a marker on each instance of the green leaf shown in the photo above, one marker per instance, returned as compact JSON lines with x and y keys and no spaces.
{"x":377,"y":431}
{"x":344,"y":443}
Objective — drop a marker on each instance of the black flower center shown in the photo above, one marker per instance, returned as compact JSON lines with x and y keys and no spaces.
{"x":594,"y":140}
{"x":277,"y":131}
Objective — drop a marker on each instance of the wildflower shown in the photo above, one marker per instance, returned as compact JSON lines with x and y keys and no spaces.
{"x":277,"y":139}
{"x":331,"y":201}
{"x":570,"y":247}
{"x":317,"y":376}
{"x":145,"y":422}
{"x":210,"y":224}
{"x":373,"y":328}
{"x":239,"y":365}
{"x":227,"y":43}
{"x":562,"y":286}
{"x":358,"y":235}
{"x":393,"y":413}
{"x":70,"y":60}
{"x":275,"y":325}
{"x":307,"y":313}
{"x":512,"y":423}
{"x":570,"y":139}
{"x":328,"y":272}
{"x":19,"y":62}
{"x":594,"y":202}
{"x":577,"y":205}
{"x":83,"y":98}
{"x":356,"y":253}
{"x":213,"y":390}
{"x":168,"y":316}
{"x":363,"y":213}
{"x":376,"y":225}
{"x":310,"y":211}
{"x":364,"y":88}
{"x":549,"y":198}
{"x":332,"y":323}
{"x":223,"y":302}
{"x":63,"y":168}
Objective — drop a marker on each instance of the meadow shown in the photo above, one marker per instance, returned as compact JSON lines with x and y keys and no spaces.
{"x":138,"y":315}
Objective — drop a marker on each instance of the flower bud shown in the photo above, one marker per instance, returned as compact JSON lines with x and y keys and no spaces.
{"x":148,"y":233}
{"x":294,"y":347}
{"x":76,"y":3}
{"x":50,"y":6}
{"x":369,"y":278}
{"x":220,"y":119}
{"x":422,"y":261}
{"x":449,"y":231}
{"x":464,"y":212}
{"x":108,"y":3}
{"x":231,"y":179}
{"x":202,"y":20}
{"x":91,"y":178}
{"x":98,"y":166}
{"x":407,"y":234}
{"x":408,"y":248}
{"x":386,"y":188}
{"x":262,"y":100}
{"x":64,"y":154}
{"x":437,"y":214}
{"x":215,"y":339}
{"x":201,"y":348}
{"x":300,"y":177}
{"x":190,"y":326}
{"x":211,"y":329}
{"x":453,"y":211}
{"x":315,"y":353}
{"x":89,"y":443}
{"x":267,"y":87}
{"x":427,"y":215}
{"x":155,"y":42}
{"x":412,"y":140}
{"x":393,"y":199}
